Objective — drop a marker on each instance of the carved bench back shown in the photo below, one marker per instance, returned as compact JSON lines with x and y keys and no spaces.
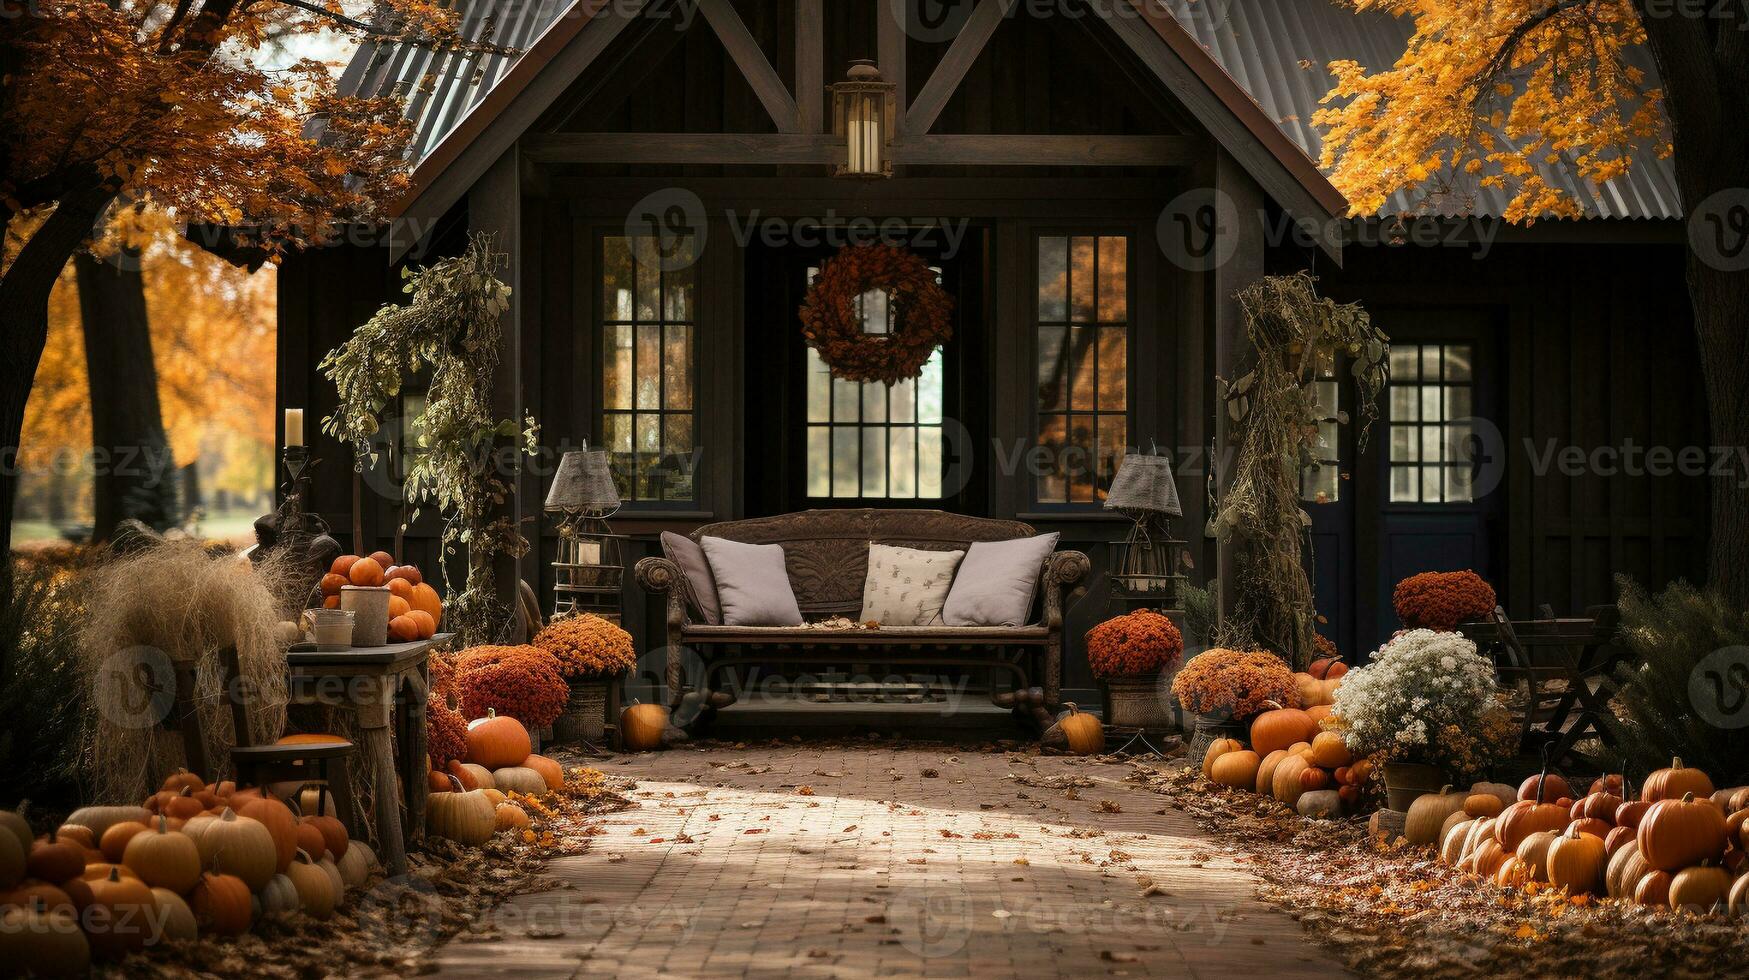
{"x":826,"y":551}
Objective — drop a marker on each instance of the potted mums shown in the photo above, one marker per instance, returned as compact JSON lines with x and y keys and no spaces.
{"x":1128,"y":653}
{"x":591,"y":652}
{"x":1426,"y":704}
{"x":1227,"y":688}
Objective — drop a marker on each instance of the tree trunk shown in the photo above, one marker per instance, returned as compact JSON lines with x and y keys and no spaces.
{"x":1704,"y":64}
{"x":135,"y":476}
{"x":24,"y":329}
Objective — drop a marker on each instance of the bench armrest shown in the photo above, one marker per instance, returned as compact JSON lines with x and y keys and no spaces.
{"x":1063,"y":571}
{"x":660,"y":576}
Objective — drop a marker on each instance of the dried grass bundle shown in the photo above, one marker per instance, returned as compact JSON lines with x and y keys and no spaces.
{"x":166,"y":606}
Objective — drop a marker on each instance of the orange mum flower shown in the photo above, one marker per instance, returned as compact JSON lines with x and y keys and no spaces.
{"x":1439,"y":601}
{"x":587,"y":646}
{"x":446,"y":732}
{"x":1142,"y":642}
{"x":522,"y":682}
{"x":1236,"y":683}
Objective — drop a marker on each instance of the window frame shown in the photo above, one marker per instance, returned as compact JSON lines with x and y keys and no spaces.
{"x":709,"y":326}
{"x":1138,"y":308}
{"x":1419,"y":425}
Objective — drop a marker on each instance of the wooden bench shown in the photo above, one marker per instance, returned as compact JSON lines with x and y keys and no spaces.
{"x":826,"y":557}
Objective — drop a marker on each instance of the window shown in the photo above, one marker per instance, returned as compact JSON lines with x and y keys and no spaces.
{"x":1083,"y":364}
{"x":1432,"y":399}
{"x":866,"y":439}
{"x":647,"y":370}
{"x":1321,"y":483}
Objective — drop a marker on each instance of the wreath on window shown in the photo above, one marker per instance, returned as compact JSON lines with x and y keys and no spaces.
{"x":922,"y":314}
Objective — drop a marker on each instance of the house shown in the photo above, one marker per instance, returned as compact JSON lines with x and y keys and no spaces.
{"x":1093,"y":180}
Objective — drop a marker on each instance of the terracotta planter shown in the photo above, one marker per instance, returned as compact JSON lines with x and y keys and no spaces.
{"x":1405,"y":782}
{"x":585,"y":714}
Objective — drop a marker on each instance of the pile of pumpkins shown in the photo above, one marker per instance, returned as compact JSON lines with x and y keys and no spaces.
{"x":1680,"y":845}
{"x":1291,"y":760}
{"x":415,"y":609}
{"x":195,"y":859}
{"x":470,"y":797}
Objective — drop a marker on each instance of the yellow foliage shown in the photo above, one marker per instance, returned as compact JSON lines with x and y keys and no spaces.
{"x":1560,"y":95}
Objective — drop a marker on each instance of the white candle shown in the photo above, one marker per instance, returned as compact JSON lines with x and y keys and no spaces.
{"x":294,"y":426}
{"x":589,"y":552}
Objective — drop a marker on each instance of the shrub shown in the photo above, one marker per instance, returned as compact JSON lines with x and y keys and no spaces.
{"x":1425,"y":697}
{"x":1441,"y":600}
{"x":1142,"y":642}
{"x":522,"y":682}
{"x":1233,"y":682}
{"x":1681,"y":694}
{"x":43,"y":695}
{"x":587,"y":646}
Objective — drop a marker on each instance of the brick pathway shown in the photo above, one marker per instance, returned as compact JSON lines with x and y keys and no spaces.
{"x":802,"y":861}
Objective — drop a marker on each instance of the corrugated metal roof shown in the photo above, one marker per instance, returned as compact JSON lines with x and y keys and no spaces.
{"x":1263,"y":45}
{"x":441,"y":86}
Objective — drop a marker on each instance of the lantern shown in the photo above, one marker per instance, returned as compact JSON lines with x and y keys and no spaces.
{"x":1146,"y":564}
{"x":590,"y":567}
{"x":862,"y":115}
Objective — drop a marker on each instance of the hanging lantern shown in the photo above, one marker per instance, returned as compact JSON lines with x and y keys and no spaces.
{"x":588,"y":573}
{"x":862,"y":115}
{"x":1146,"y":564}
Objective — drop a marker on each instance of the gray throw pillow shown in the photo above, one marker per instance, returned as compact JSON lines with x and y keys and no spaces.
{"x":996,"y":582}
{"x":701,"y":586}
{"x":751,"y":582}
{"x":905,"y":586}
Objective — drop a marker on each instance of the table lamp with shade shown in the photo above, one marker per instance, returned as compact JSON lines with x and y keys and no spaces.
{"x":1146,"y":565}
{"x":590,"y":567}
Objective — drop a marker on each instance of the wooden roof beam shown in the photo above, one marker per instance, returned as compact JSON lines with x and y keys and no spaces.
{"x":817,"y":148}
{"x":946,"y":78}
{"x":733,"y":32}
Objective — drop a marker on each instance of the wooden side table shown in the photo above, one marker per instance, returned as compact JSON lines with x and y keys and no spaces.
{"x":370,"y":681}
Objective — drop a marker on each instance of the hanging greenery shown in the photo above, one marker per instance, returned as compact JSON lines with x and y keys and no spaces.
{"x":1296,"y":335}
{"x":451,"y":328}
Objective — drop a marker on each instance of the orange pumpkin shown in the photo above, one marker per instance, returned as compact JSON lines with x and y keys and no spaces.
{"x":118,"y":915}
{"x":399,"y":588}
{"x":402,"y":628}
{"x":1630,"y":814}
{"x":332,"y":583}
{"x":382,"y":558}
{"x":551,"y":771}
{"x":221,"y":904}
{"x":1524,"y":818}
{"x":398,"y":606}
{"x":1617,"y":839}
{"x":1544,"y":787}
{"x":425,"y":597}
{"x":427,"y":625}
{"x":1280,"y":728}
{"x":1680,"y":833}
{"x":1601,"y":806}
{"x":278,"y":819}
{"x":366,"y":572}
{"x":1591,"y":825}
{"x":342,"y":565}
{"x":410,"y":573}
{"x":1653,"y":889}
{"x":496,"y":741}
{"x":1674,"y":782}
{"x":56,"y":858}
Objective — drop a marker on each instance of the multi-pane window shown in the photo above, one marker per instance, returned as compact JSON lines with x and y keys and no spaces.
{"x":1083,"y":364}
{"x":648,"y":325}
{"x":865,"y":439}
{"x":1321,"y":481}
{"x":1432,"y":398}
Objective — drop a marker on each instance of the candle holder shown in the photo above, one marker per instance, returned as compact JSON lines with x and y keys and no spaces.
{"x":291,"y":528}
{"x":588,"y":575}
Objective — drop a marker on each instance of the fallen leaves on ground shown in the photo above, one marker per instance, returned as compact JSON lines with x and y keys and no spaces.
{"x":391,"y":926}
{"x":1392,"y":910}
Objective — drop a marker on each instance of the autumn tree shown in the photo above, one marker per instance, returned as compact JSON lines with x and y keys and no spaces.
{"x":1491,"y":92}
{"x":167,"y":104}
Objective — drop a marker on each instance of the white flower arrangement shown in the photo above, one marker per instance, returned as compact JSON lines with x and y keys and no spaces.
{"x":1426,"y":697}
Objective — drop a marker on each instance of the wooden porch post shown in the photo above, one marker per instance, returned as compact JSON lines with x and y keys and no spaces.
{"x":495,"y":207}
{"x":1231,"y":350}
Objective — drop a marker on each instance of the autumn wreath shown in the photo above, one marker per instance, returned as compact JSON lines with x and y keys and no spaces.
{"x":922,"y":314}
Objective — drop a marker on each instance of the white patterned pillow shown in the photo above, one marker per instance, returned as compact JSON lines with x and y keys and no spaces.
{"x":905,"y":586}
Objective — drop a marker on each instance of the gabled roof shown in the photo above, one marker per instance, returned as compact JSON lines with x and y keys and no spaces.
{"x":1277,"y":51}
{"x":1263,"y":59}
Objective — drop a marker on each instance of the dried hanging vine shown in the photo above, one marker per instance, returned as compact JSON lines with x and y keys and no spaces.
{"x":452,"y":327}
{"x":1296,"y":335}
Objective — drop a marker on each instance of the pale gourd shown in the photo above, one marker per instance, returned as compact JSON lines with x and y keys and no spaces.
{"x":101,"y":818}
{"x":1427,"y":815}
{"x":337,"y":883}
{"x":234,"y":845}
{"x":1451,"y":847}
{"x":465,"y":817}
{"x":518,"y":779}
{"x":176,"y":916}
{"x":315,"y":889}
{"x":1533,"y":853}
{"x":509,"y":816}
{"x":280,"y":896}
{"x":357,"y":864}
{"x":1322,"y":804}
{"x":1507,"y":795}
